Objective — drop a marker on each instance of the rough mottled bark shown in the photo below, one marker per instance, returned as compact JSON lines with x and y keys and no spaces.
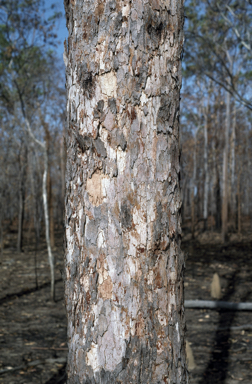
{"x":239,"y":202}
{"x":62,"y":166}
{"x":124,"y":266}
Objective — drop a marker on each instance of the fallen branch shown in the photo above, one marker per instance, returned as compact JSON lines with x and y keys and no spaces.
{"x":208,"y":304}
{"x":60,"y":360}
{"x":204,"y":327}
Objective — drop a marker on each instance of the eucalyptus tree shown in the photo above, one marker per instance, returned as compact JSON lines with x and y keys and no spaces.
{"x":219,"y":35}
{"x":123,"y":262}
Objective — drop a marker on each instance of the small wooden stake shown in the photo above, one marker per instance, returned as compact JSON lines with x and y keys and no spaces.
{"x":189,"y":357}
{"x":216,"y":287}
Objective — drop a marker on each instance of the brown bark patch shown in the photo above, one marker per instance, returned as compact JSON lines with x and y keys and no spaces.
{"x":155,"y":5}
{"x":100,"y":261}
{"x":94,"y":189}
{"x":105,"y":289}
{"x":99,"y":9}
{"x":139,"y":326}
{"x":158,"y":280}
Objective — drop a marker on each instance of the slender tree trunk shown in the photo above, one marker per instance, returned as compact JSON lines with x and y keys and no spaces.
{"x":218,"y":200}
{"x":48,"y":182}
{"x":232,"y":150}
{"x":206,"y":186}
{"x":213,"y":182}
{"x":193,"y":192}
{"x":20,"y":217}
{"x":225,"y":172}
{"x":45,"y":148}
{"x":47,"y":224}
{"x":193,"y":213}
{"x":22,"y":160}
{"x":50,"y":208}
{"x":35,"y":215}
{"x":124,"y":266}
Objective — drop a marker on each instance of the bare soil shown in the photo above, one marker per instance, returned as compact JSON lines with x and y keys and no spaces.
{"x":33,"y":337}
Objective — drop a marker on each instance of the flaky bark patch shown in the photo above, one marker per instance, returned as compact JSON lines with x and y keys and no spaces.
{"x":105,"y":289}
{"x":95,"y":189}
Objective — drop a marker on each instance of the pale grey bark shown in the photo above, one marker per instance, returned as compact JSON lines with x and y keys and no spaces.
{"x":123,"y":263}
{"x":47,"y":225}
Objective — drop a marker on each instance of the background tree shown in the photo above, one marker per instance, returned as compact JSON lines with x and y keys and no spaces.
{"x":28,"y":89}
{"x":217,"y":33}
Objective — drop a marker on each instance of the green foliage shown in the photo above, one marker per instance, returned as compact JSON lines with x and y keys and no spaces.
{"x":219,"y":45}
{"x":26,"y":42}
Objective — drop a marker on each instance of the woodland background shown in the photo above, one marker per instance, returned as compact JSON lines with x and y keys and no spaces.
{"x":216,"y":185}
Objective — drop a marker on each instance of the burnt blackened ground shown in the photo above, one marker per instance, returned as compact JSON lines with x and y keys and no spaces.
{"x":33,"y":329}
{"x":222,"y":353}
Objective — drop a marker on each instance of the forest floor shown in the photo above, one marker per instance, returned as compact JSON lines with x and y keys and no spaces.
{"x":33,"y":329}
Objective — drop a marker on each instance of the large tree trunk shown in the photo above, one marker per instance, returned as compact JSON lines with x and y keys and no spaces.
{"x":124,"y":266}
